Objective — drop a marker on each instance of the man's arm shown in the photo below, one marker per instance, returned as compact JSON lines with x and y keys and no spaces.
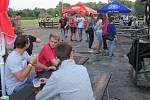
{"x":45,"y":67}
{"x":51,"y":89}
{"x":22,"y":74}
{"x":38,"y":40}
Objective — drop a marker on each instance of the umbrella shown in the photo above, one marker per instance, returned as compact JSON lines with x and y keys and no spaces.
{"x":5,"y":23}
{"x":6,"y":30}
{"x":114,"y":6}
{"x":79,"y":8}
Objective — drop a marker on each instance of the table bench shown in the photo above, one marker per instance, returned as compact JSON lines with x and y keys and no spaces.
{"x":81,"y":60}
{"x":50,"y":23}
{"x":100,"y":86}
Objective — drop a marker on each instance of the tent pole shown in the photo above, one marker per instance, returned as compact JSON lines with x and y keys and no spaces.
{"x":2,"y":52}
{"x":2,"y":76}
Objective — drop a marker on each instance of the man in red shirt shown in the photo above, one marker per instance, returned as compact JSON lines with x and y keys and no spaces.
{"x":47,"y":59}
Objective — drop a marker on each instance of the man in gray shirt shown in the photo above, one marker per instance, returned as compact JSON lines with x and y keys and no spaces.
{"x":70,"y":81}
{"x":16,"y":68}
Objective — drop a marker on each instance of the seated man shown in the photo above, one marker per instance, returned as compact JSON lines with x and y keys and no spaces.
{"x":16,"y":68}
{"x":70,"y":81}
{"x":47,"y":58}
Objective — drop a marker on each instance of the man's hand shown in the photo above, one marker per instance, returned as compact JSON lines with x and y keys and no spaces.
{"x":51,"y":68}
{"x":33,"y":59}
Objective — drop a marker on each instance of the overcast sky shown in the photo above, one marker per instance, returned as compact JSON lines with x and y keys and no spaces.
{"x":22,"y":4}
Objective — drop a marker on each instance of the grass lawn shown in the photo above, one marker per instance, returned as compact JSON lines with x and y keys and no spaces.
{"x":29,"y":22}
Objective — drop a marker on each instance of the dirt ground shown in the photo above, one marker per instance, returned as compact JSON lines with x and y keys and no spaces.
{"x":121,"y":86}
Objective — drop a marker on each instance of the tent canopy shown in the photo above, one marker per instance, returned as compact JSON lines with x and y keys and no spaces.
{"x":79,"y":8}
{"x":5,"y":23}
{"x":114,"y":6}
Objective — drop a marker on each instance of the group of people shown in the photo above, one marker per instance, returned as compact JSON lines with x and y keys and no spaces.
{"x":102,"y":27}
{"x":76,"y":24}
{"x":54,"y":65}
{"x":105,"y":32}
{"x":129,"y":21}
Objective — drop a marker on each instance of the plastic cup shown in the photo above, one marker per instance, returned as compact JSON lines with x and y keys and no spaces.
{"x":37,"y":85}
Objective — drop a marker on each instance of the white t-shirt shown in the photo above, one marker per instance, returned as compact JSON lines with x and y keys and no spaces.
{"x":98,"y":25}
{"x":80,"y":21}
{"x":15,"y":62}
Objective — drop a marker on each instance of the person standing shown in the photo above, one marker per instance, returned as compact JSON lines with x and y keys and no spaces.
{"x":73,"y":27}
{"x":32,"y":39}
{"x":80,"y":27}
{"x":98,"y":32}
{"x":47,"y":58}
{"x":18,"y":66}
{"x":90,"y":30}
{"x":112,"y":34}
{"x":62,"y":26}
{"x":70,"y":81}
{"x":104,"y":32}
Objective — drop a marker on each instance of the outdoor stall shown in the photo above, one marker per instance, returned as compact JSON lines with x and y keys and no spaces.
{"x":113,"y":7}
{"x":79,"y":8}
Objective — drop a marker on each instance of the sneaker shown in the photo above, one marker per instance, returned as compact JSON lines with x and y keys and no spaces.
{"x":90,"y":50}
{"x":111,"y":55}
{"x":97,"y":52}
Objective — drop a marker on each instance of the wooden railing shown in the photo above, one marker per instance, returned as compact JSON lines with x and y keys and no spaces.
{"x":50,"y":23}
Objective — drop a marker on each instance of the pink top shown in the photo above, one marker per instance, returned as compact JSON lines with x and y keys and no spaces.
{"x":105,"y":24}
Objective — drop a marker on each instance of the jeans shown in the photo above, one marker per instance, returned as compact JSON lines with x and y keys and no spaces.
{"x":62,"y":31}
{"x":104,"y":43}
{"x":20,"y":87}
{"x":111,"y":47}
{"x":91,"y":37}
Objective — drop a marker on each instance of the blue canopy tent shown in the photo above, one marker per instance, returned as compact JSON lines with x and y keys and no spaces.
{"x":114,"y":6}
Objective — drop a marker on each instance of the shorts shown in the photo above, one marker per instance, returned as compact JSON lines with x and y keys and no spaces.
{"x":99,"y":35}
{"x":80,"y":30}
{"x":73,"y":29}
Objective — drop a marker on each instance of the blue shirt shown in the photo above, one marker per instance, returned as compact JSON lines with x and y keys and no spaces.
{"x":111,"y":29}
{"x":69,"y":82}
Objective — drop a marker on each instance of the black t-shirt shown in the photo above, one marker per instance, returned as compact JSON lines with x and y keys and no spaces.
{"x":31,"y":39}
{"x":63,"y":22}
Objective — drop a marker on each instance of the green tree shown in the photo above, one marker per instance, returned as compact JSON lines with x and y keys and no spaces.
{"x":94,"y":5}
{"x":139,"y":8}
{"x":10,"y":12}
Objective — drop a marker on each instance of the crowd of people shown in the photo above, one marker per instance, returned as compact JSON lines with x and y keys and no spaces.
{"x":54,"y":57}
{"x":55,"y":64}
{"x":91,"y":26}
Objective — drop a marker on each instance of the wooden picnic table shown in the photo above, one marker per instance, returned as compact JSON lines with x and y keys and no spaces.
{"x":28,"y":92}
{"x":129,"y":29}
{"x":50,"y":23}
{"x":131,"y":32}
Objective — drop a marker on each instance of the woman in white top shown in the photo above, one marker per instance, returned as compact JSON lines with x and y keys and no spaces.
{"x":98,"y":32}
